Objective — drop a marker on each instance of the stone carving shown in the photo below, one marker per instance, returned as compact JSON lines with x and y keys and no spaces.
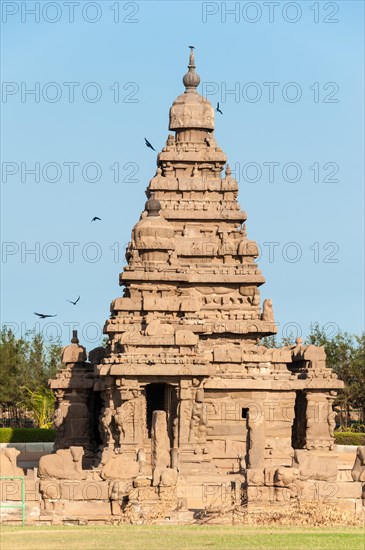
{"x":156,"y":328}
{"x":198,"y":421}
{"x":49,"y":490}
{"x":105,"y":426}
{"x":120,"y":466}
{"x":64,"y":464}
{"x":8,"y":466}
{"x":287,"y":483}
{"x":320,"y":421}
{"x":267,"y":312}
{"x":160,"y":446}
{"x":311,"y":465}
{"x":58,"y":418}
{"x":168,"y":477}
{"x":124,"y":422}
{"x":358,"y":470}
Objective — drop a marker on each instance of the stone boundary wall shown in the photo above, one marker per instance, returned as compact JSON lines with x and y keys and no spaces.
{"x":41,"y":447}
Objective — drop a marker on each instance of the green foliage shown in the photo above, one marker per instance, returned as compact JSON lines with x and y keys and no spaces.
{"x":26,"y":362}
{"x":104,"y":341}
{"x":269,"y":342}
{"x":354,"y":428}
{"x":26,"y":435}
{"x":41,"y":404}
{"x":346,"y":356}
{"x":349,"y":438}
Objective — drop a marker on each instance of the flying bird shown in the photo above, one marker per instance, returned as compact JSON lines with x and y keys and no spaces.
{"x":74,"y":303}
{"x":218,"y":109}
{"x":95,"y":218}
{"x":149,"y":145}
{"x":43,"y":315}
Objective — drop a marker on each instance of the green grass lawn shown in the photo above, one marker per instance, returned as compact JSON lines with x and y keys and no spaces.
{"x":136,"y":537}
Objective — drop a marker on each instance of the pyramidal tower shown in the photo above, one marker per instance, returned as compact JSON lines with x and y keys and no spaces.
{"x":185,"y":395}
{"x":191,"y":285}
{"x":184,"y":338}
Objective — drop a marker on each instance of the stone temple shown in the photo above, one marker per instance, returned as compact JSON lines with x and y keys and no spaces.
{"x":185,"y":409}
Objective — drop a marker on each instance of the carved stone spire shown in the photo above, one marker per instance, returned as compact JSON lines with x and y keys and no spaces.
{"x":191,"y":79}
{"x":191,"y":110}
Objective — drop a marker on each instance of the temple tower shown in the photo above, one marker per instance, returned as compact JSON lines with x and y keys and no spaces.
{"x":184,"y":338}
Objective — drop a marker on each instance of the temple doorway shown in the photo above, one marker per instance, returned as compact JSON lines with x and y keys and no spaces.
{"x":300,"y":421}
{"x":161,"y":397}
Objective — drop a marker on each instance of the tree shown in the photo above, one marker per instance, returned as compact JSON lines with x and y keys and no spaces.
{"x":345,"y":355}
{"x":26,"y":365}
{"x":358,"y":375}
{"x":13,"y":359}
{"x":41,"y":405}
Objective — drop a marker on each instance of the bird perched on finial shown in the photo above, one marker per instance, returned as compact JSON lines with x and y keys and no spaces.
{"x":192,"y":47}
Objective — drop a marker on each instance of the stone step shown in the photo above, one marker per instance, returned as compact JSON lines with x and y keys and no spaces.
{"x":344,"y":475}
{"x":186,"y":516}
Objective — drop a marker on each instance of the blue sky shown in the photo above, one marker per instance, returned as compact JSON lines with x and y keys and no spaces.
{"x":124,"y":76}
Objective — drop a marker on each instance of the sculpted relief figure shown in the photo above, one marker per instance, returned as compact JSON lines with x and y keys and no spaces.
{"x":358,"y":470}
{"x":198,"y":422}
{"x":8,"y":467}
{"x":267,"y":312}
{"x":64,"y":464}
{"x":129,"y":420}
{"x":122,"y":418}
{"x":105,"y":425}
{"x":58,"y":418}
{"x":170,"y":140}
{"x":331,"y":421}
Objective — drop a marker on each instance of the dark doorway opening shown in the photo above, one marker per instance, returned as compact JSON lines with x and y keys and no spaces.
{"x":299,"y":427}
{"x":244,"y":413}
{"x":156,"y":401}
{"x":97,"y":406}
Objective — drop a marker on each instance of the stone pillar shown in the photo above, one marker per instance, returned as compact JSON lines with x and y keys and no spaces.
{"x":256,"y":441}
{"x":185,"y":410}
{"x":320,"y":418}
{"x":130,"y":417}
{"x":160,"y":446}
{"x":198,"y":423}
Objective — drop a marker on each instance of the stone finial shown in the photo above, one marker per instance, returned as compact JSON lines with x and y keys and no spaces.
{"x":228,"y":170}
{"x":191,"y":79}
{"x":153,"y":206}
{"x":73,"y":353}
